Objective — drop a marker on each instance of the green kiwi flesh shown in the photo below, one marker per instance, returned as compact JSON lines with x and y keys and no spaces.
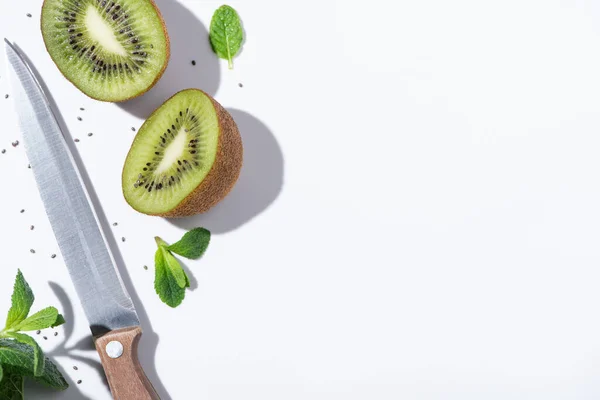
{"x":111,"y":50}
{"x":184,"y":159}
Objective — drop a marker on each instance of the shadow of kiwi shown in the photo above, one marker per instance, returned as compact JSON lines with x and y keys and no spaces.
{"x":258,"y":186}
{"x":189,"y":41}
{"x":149,"y":341}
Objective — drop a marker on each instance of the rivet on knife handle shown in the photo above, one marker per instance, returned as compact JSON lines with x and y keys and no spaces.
{"x":125,"y":375}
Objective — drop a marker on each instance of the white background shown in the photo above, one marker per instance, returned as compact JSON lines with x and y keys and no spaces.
{"x":418,"y":216}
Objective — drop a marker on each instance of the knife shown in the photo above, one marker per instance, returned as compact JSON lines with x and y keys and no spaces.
{"x":114,"y":323}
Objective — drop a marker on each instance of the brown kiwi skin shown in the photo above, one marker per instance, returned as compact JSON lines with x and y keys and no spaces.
{"x":160,"y":74}
{"x":222,"y":176}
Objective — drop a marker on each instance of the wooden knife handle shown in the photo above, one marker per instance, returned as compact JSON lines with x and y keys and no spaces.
{"x":125,"y":375}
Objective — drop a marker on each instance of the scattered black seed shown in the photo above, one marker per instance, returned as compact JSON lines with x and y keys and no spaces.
{"x":3,"y":151}
{"x":75,"y":367}
{"x":55,"y":333}
{"x":6,"y":96}
{"x":79,"y":382}
{"x":29,"y":15}
{"x":38,"y":332}
{"x":123,"y":238}
{"x":193,"y":62}
{"x":76,"y":140}
{"x":53,"y":256}
{"x":90,"y":134}
{"x":32,"y":251}
{"x":22,"y":211}
{"x":79,"y":119}
{"x":240,"y":84}
{"x":32,"y":227}
{"x":45,"y":337}
{"x":133,"y":129}
{"x":81,"y":108}
{"x":115,"y":223}
{"x":15,"y":143}
{"x":29,"y":166}
{"x":146,"y":267}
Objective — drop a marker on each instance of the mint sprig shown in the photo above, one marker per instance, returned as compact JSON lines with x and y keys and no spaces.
{"x":20,"y":354}
{"x":170,"y":280}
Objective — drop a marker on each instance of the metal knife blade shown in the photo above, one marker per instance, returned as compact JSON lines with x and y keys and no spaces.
{"x":74,"y":221}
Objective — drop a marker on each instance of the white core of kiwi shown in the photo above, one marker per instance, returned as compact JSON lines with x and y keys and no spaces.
{"x":102,"y":32}
{"x":173,"y":152}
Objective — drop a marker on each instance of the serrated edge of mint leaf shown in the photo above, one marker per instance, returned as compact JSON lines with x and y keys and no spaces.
{"x":21,"y":301}
{"x":193,"y":244}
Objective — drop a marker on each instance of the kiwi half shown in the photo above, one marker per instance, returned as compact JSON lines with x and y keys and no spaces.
{"x":185,"y":158}
{"x":111,"y":50}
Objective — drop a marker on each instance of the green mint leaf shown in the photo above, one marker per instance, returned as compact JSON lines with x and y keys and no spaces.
{"x":40,"y":320}
{"x":1,"y":374}
{"x":165,"y":284}
{"x":226,"y":33}
{"x":175,"y":268}
{"x":11,"y":386}
{"x":193,"y":244}
{"x":18,"y":357}
{"x":59,"y":321}
{"x":22,"y":299}
{"x":38,"y":354}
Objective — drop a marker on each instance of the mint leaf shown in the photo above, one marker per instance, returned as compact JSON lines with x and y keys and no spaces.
{"x":226,"y":33}
{"x":11,"y":386}
{"x":165,"y":284}
{"x":175,"y":268}
{"x":193,"y":244}
{"x":38,"y":354}
{"x":22,"y":299}
{"x":40,"y":320}
{"x":18,"y":357}
{"x":59,"y":321}
{"x":1,"y":374}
